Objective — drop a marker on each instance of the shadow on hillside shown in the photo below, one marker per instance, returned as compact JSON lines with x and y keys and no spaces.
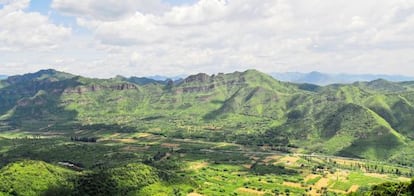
{"x":378,"y":147}
{"x":35,"y":105}
{"x":264,"y":169}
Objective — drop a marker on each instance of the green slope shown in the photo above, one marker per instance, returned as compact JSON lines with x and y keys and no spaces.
{"x":367,"y":119}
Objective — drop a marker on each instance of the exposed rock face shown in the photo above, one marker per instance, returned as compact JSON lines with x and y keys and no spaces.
{"x":93,"y":88}
{"x":23,"y":102}
{"x":201,"y":77}
{"x":204,"y":83}
{"x":36,"y":101}
{"x":198,"y":89}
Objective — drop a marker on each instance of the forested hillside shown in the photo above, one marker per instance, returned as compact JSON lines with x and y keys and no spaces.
{"x":364,"y":119}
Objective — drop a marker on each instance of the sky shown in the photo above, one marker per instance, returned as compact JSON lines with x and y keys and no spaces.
{"x":104,"y":38}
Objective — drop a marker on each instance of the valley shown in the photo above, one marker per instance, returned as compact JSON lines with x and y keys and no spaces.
{"x":241,"y":133}
{"x":208,"y":166}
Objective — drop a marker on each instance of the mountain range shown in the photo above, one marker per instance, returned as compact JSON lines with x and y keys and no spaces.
{"x":370,"y":120}
{"x":326,"y":79}
{"x":314,"y":77}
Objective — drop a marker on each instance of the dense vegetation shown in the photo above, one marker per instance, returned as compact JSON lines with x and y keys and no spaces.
{"x":40,"y":178}
{"x":98,"y":125}
{"x":33,"y":178}
{"x":389,"y":188}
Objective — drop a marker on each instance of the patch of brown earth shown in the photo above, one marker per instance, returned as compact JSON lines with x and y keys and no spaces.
{"x":194,"y":194}
{"x":376,"y":175}
{"x":288,"y":160}
{"x":353,"y":188}
{"x":197,"y":165}
{"x":323,"y":182}
{"x":292,"y":184}
{"x":250,"y":191}
{"x":126,"y":140}
{"x":170,"y":145}
{"x":271,"y":158}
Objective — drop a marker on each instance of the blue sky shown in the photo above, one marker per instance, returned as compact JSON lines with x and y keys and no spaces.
{"x":104,"y":38}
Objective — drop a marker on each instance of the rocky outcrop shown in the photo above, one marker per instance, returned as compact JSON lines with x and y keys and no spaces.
{"x":204,"y":83}
{"x":28,"y":101}
{"x":201,"y":77}
{"x":94,"y":88}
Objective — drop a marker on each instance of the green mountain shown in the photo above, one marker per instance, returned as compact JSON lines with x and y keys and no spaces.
{"x":364,"y":119}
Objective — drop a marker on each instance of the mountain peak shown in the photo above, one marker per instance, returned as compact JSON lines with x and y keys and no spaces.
{"x":40,"y":75}
{"x":200,"y":77}
{"x":253,"y":72}
{"x":379,"y":81}
{"x":383,"y":85}
{"x":47,"y":71}
{"x":250,"y":75}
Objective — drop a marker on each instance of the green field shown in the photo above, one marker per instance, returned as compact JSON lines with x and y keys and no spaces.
{"x":176,"y":166}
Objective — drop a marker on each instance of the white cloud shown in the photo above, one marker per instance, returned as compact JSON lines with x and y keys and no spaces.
{"x":21,"y":30}
{"x":137,"y":37}
{"x":211,"y":35}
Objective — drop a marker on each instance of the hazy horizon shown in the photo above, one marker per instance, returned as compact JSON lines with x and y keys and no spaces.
{"x":285,"y":76}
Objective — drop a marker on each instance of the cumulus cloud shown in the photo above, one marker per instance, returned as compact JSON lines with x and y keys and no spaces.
{"x":270,"y":35}
{"x":22,"y":30}
{"x":140,"y":37}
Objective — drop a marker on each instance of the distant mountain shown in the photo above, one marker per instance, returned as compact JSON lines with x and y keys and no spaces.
{"x":164,"y":78}
{"x":142,"y":80}
{"x":326,"y":79}
{"x":370,"y":120}
{"x":3,"y":77}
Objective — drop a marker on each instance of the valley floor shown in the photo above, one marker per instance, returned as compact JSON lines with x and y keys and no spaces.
{"x":213,"y":168}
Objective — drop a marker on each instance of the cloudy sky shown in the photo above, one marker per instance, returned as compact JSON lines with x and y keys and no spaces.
{"x":104,"y":38}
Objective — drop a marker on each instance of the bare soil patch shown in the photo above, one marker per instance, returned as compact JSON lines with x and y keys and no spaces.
{"x":271,"y":158}
{"x":376,"y":175}
{"x":323,"y":182}
{"x":353,"y":188}
{"x":194,"y":194}
{"x":250,"y":191}
{"x":127,"y":140}
{"x":288,"y":160}
{"x":144,"y":135}
{"x":346,"y":161}
{"x":404,"y":179}
{"x":197,"y":165}
{"x":247,"y":166}
{"x":292,"y":184}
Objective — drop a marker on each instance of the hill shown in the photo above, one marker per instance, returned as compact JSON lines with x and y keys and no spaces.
{"x":40,"y":178}
{"x":34,"y":178}
{"x":363,"y":119}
